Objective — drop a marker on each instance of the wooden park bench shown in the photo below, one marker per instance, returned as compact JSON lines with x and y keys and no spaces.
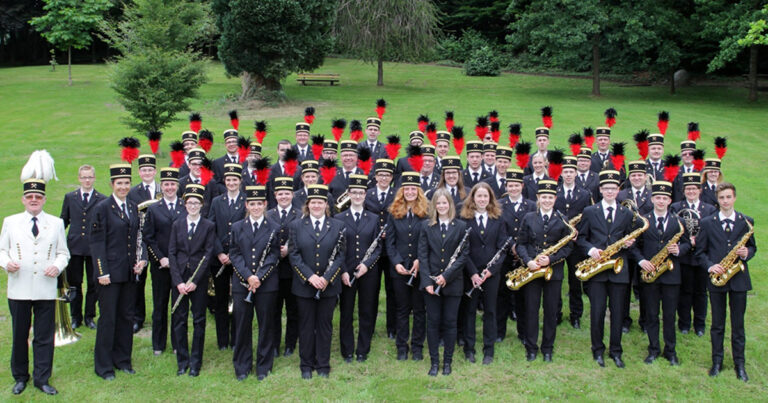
{"x":330,"y":78}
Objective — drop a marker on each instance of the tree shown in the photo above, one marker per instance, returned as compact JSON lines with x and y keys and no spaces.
{"x":263,"y":41}
{"x":484,"y":16}
{"x":68,"y":24}
{"x":158,"y":70}
{"x":391,"y":30}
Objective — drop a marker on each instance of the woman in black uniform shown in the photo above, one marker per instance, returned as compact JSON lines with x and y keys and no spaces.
{"x":254,"y":251}
{"x":711,"y":176}
{"x":540,"y":230}
{"x":407,"y":212}
{"x":440,"y":240}
{"x":452,"y":180}
{"x":314,"y":241}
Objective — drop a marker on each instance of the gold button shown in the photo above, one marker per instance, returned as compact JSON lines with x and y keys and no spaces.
{"x":253,"y":250}
{"x":442,"y":260}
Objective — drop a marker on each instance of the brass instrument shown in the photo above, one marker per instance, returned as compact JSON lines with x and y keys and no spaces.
{"x":524,"y":275}
{"x":731,"y":262}
{"x":343,"y":202}
{"x":660,"y":260}
{"x":691,"y":220}
{"x":588,"y":268}
{"x":63,"y":332}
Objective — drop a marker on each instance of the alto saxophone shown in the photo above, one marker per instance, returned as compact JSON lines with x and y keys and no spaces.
{"x":524,"y":275}
{"x":588,"y":268}
{"x":731,"y":262}
{"x":660,"y":260}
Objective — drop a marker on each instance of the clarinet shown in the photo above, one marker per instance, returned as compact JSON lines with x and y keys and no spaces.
{"x":261,"y":263}
{"x":493,"y":261}
{"x":449,"y":267}
{"x":369,"y":252}
{"x":191,"y":278}
{"x":332,"y":260}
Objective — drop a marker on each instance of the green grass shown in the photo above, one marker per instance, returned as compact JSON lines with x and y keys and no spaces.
{"x":80,"y":124}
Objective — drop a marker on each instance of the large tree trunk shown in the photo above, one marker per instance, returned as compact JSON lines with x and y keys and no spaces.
{"x":753,"y":73}
{"x":672,"y":82}
{"x":380,"y":81}
{"x":69,"y":64}
{"x":254,"y":86}
{"x":595,"y":67}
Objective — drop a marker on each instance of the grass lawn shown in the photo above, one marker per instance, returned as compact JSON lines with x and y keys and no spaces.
{"x":80,"y":124}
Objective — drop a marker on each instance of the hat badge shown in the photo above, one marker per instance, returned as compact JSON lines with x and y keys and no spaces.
{"x":122,"y":170}
{"x":33,"y":185}
{"x":317,"y":191}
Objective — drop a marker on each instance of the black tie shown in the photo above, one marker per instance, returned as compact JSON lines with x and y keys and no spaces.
{"x":637,"y":197}
{"x":424,"y":182}
{"x":85,"y":199}
{"x":382,"y":197}
{"x":603,"y":157}
{"x":537,"y":180}
{"x":514,"y":206}
{"x":283,"y":214}
{"x":714,"y":188}
{"x":660,"y":225}
{"x":453,"y":192}
{"x":609,"y":218}
{"x":197,"y":181}
{"x":317,"y":226}
{"x":728,"y":222}
{"x":255,"y":227}
{"x":125,"y":211}
{"x":545,"y":217}
{"x":231,"y":203}
{"x":410,"y":215}
{"x":569,"y":196}
{"x":170,"y":206}
{"x":502,"y":184}
{"x":303,"y":153}
{"x":35,"y":231}
{"x":480,"y":221}
{"x":346,"y":175}
{"x":357,"y":218}
{"x":584,"y":179}
{"x":476,"y":177}
{"x":443,"y":229}
{"x":191,"y":230}
{"x":146,"y":189}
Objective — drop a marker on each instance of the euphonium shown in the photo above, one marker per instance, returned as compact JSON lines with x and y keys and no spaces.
{"x":523,"y":275}
{"x":62,"y":322}
{"x":588,"y":268}
{"x":343,"y":201}
{"x":660,"y":260}
{"x":731,"y":262}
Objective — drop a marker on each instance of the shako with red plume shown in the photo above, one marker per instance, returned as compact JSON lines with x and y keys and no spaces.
{"x":617,"y":159}
{"x":355,"y":130}
{"x":337,"y":128}
{"x":522,"y":153}
{"x":493,"y":116}
{"x":393,"y":146}
{"x":496,"y":131}
{"x":364,"y":161}
{"x":290,"y":161}
{"x":206,"y":171}
{"x":589,"y":137}
{"x":234,"y":120}
{"x":721,"y":146}
{"x":422,"y":121}
{"x":693,"y":131}
{"x":514,"y":134}
{"x":698,"y":159}
{"x":458,"y":139}
{"x":243,"y":148}
{"x":481,"y":128}
{"x":671,"y":167}
{"x":555,"y":158}
{"x":177,"y":154}
{"x":415,"y":159}
{"x":381,"y":107}
{"x":154,"y":137}
{"x":610,"y":117}
{"x":575,"y":142}
{"x":328,"y":171}
{"x":205,"y":140}
{"x":309,"y":115}
{"x":432,"y":133}
{"x":546,"y":116}
{"x":261,"y":131}
{"x":262,"y":167}
{"x":663,"y":122}
{"x":449,"y":120}
{"x":317,"y":146}
{"x":195,"y":122}
{"x":130,"y":148}
{"x":641,"y":141}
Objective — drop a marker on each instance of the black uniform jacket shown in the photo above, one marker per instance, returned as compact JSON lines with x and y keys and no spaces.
{"x":185,"y":254}
{"x":247,"y":249}
{"x":535,"y":237}
{"x":310,"y":253}
{"x":435,"y":252}
{"x":595,"y":232}
{"x":113,"y":240}
{"x":650,"y":243}
{"x":713,"y":244}
{"x":157,"y":227}
{"x":75,"y":216}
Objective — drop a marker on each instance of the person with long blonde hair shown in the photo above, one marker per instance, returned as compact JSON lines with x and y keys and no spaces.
{"x":451,"y":180}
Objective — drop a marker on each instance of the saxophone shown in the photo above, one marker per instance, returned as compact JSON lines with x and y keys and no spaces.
{"x":660,"y":261}
{"x":588,"y":268}
{"x":731,"y":261}
{"x":523,"y":274}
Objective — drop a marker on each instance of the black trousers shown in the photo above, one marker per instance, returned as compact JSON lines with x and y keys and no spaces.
{"x":75,"y":279}
{"x":651,"y":296}
{"x":225,"y":326}
{"x":533,"y":292}
{"x":315,"y":332}
{"x":409,"y":300}
{"x":442,"y":313}
{"x":366,"y":289}
{"x":286,"y":297}
{"x":693,"y":294}
{"x":488,"y":296}
{"x":604,"y":294}
{"x":509,"y":305}
{"x":636,"y":285}
{"x":242,"y":312}
{"x":42,"y":345}
{"x":197,"y":299}
{"x":161,"y":300}
{"x":140,"y":311}
{"x":575,"y":291}
{"x":114,"y":331}
{"x":737,"y":301}
{"x":389,"y":290}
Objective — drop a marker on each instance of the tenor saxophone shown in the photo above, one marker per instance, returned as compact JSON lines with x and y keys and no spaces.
{"x":731,"y":261}
{"x":524,"y":275}
{"x":660,"y":260}
{"x":588,"y":268}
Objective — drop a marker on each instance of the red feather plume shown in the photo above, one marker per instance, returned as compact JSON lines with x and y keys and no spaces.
{"x":262,"y":167}
{"x":589,"y":137}
{"x":493,"y":116}
{"x":458,"y":139}
{"x":481,"y":128}
{"x":337,"y":128}
{"x":195,"y":122}
{"x":575,"y":142}
{"x":317,"y":146}
{"x":381,"y":107}
{"x":355,"y":130}
{"x":130,"y":149}
{"x":422,"y":121}
{"x":243,"y":148}
{"x":309,"y":115}
{"x":546,"y":116}
{"x":205,"y":140}
{"x":328,"y":171}
{"x":261,"y":131}
{"x":617,"y":149}
{"x":393,"y":146}
{"x":234,"y":120}
{"x":415,"y":158}
{"x":290,"y":161}
{"x":496,"y":131}
{"x":514,"y":134}
{"x":671,"y":167}
{"x":364,"y":160}
{"x":663,"y":122}
{"x":698,"y":159}
{"x":693,"y":131}
{"x":522,"y":154}
{"x":449,"y":120}
{"x":432,"y":133}
{"x":555,"y":158}
{"x":641,"y":140}
{"x":610,"y":117}
{"x":177,"y":154}
{"x":721,"y":146}
{"x":206,"y":171}
{"x":154,"y":137}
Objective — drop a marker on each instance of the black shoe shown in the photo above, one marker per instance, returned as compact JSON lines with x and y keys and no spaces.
{"x":673,"y":361}
{"x":650,"y":358}
{"x":499,"y":339}
{"x":50,"y":390}
{"x":194,"y":372}
{"x":625,"y":329}
{"x":348,"y":359}
{"x":19,"y":387}
{"x":600,"y":361}
{"x":559,"y":319}
{"x":128,"y":370}
{"x":306,"y":374}
{"x":576,"y":323}
{"x":242,"y":377}
{"x":446,"y":369}
{"x":75,"y":325}
{"x":181,"y":371}
{"x":643,"y":329}
{"x":109,"y":377}
{"x":741,"y":373}
{"x":700,"y":332}
{"x":402,"y":355}
{"x":514,"y":316}
{"x":618,"y":361}
{"x":90,"y":323}
{"x":391,"y":334}
{"x":470,"y":356}
{"x":276,"y":353}
{"x":460,"y":342}
{"x":288,"y":352}
{"x":261,"y":377}
{"x":222,"y":348}
{"x":442,"y":342}
{"x":716,"y":368}
{"x":530,"y":356}
{"x":417,"y":355}
{"x":362,"y":357}
{"x":432,"y":370}
{"x":322,"y":374}
{"x":685,"y":331}
{"x":487,"y":360}
{"x":547,"y":357}
{"x":136,"y":328}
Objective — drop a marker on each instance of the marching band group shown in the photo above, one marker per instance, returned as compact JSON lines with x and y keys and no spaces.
{"x":238,"y":235}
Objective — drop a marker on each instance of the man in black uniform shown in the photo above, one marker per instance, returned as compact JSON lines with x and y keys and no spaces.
{"x":430,"y":176}
{"x":348,"y":167}
{"x":585,"y":177}
{"x":372,"y":130}
{"x":230,"y":157}
{"x":498,"y":181}
{"x":687,"y":148}
{"x":474,"y":171}
{"x":489,"y":157}
{"x":302,"y":146}
{"x":538,"y":173}
{"x":655,"y":163}
{"x":542,"y":143}
{"x":75,"y":211}
{"x":189,"y":142}
{"x":415,"y":138}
